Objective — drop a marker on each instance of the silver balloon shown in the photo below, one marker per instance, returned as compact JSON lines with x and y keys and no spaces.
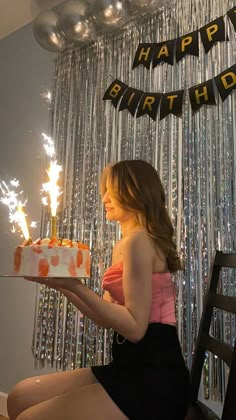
{"x":145,"y":5}
{"x":75,"y":21}
{"x":110,"y":13}
{"x":46,"y":31}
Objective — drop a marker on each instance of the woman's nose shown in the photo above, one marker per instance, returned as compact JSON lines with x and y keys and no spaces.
{"x":105,"y":198}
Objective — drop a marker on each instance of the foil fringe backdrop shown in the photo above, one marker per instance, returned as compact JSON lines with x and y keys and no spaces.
{"x":195,"y":157}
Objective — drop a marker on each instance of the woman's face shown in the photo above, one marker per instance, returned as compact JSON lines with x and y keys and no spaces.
{"x":114,"y":210}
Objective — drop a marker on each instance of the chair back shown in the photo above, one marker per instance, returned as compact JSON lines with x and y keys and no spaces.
{"x":205,"y":342}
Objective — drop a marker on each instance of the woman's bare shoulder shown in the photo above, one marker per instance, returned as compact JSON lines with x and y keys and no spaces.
{"x":141,"y":242}
{"x":137,"y":242}
{"x":138,"y":237}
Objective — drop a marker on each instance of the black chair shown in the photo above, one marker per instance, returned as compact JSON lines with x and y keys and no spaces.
{"x":205,"y":342}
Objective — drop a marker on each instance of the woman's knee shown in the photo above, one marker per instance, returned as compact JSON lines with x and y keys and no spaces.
{"x":18,"y":398}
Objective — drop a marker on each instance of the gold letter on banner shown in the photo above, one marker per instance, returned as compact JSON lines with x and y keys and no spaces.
{"x":171,"y":101}
{"x":115,"y":90}
{"x":130,"y":98}
{"x":144,"y":54}
{"x":211,"y":30}
{"x":226,"y":84}
{"x":185,"y":41}
{"x":198,"y":95}
{"x":148,"y":102}
{"x":163,"y":51}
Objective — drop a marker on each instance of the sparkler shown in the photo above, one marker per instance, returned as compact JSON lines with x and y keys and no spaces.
{"x":51,"y":187}
{"x":47,"y":95}
{"x":13,"y":200}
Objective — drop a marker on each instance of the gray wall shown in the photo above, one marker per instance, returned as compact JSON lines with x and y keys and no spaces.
{"x":26,"y":70}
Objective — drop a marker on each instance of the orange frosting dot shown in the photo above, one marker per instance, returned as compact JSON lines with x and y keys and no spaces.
{"x":55,"y":260}
{"x":17,"y":259}
{"x":79,"y":258}
{"x":37,"y":249}
{"x":43,"y":267}
{"x":72,"y":267}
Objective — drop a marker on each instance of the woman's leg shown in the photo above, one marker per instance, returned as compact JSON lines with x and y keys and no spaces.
{"x":34,"y":390}
{"x":86,"y":403}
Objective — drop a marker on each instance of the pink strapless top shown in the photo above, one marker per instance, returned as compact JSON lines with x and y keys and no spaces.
{"x":163,"y":293}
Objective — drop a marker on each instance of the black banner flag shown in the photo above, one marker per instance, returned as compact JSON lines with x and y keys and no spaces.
{"x":187,"y":44}
{"x":226,"y":82}
{"x":232,"y":15}
{"x":172,"y":103}
{"x":213,"y":32}
{"x":115,"y":91}
{"x":163,"y":53}
{"x":202,"y":94}
{"x":149,"y":105}
{"x":130,"y":100}
{"x":143,"y":55}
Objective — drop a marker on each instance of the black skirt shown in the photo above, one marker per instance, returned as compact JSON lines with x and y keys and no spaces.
{"x":147,"y":380}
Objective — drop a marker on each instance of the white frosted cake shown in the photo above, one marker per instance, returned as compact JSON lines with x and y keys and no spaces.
{"x":52,"y":258}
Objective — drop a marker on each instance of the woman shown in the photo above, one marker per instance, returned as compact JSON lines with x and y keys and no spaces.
{"x":147,"y":378}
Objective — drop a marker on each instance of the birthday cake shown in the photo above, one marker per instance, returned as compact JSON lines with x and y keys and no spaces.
{"x":52,"y":258}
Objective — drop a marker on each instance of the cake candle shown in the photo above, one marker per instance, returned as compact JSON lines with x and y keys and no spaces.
{"x":54,"y":227}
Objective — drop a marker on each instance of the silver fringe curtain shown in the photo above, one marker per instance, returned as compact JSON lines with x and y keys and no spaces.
{"x":195,"y":156}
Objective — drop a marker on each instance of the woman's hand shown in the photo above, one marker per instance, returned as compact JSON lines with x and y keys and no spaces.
{"x":65,"y":283}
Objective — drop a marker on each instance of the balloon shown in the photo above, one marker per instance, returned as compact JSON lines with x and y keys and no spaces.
{"x":46,"y":31}
{"x":75,"y":21}
{"x":145,"y":5}
{"x":110,"y":13}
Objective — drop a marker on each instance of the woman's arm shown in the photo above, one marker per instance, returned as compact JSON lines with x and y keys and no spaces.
{"x":82,"y":307}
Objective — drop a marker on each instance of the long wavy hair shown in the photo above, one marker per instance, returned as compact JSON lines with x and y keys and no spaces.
{"x":137,"y":187}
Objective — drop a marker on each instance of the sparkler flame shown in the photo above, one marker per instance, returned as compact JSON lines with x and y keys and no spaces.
{"x":47,"y":95}
{"x":51,"y":186}
{"x":13,"y":200}
{"x":49,"y":146}
{"x":22,"y":221}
